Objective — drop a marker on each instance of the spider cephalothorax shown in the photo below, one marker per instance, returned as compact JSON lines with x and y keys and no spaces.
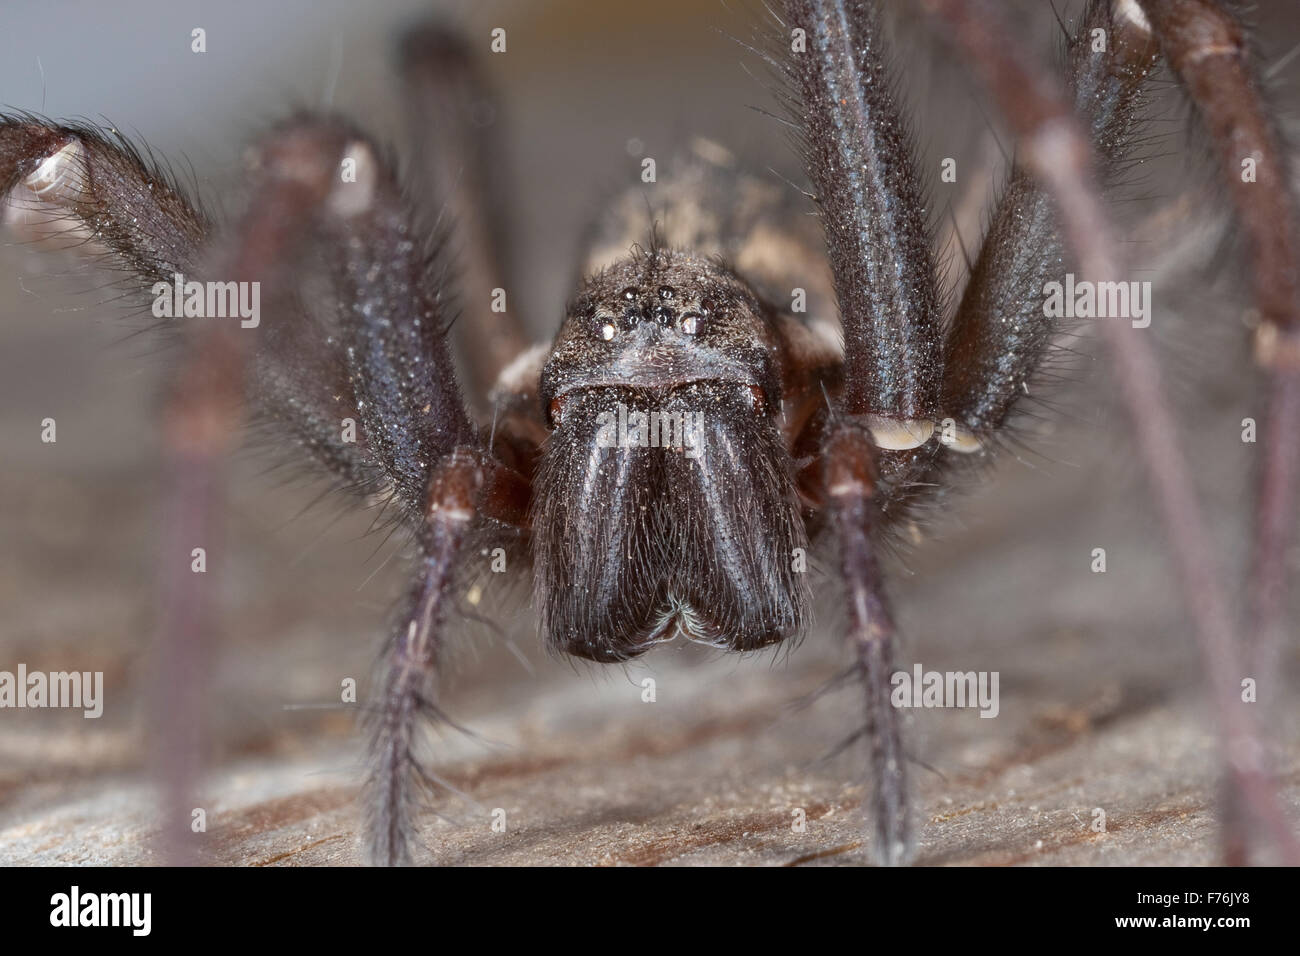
{"x":666,"y":375}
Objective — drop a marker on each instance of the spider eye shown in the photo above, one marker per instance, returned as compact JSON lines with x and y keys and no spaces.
{"x":607,"y":331}
{"x":689,"y":323}
{"x":630,"y":293}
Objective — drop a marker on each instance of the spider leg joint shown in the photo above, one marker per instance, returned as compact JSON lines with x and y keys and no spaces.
{"x":1131,"y":11}
{"x":899,"y":434}
{"x":56,"y":177}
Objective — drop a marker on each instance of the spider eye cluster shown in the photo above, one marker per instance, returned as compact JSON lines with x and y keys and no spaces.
{"x":663,"y":306}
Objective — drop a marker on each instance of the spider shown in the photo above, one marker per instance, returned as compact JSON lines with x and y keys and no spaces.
{"x":666,"y":463}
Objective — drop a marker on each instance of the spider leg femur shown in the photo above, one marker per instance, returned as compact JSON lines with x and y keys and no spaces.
{"x":391,"y":357}
{"x":860,"y":163}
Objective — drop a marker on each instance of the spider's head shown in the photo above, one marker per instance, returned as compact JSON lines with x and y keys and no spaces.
{"x":664,"y":503}
{"x":663,"y":320}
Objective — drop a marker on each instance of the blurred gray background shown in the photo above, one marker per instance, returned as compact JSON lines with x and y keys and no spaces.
{"x":1101,"y":703}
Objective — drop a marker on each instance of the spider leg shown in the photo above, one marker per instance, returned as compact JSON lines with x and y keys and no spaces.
{"x":450,"y":113}
{"x":999,"y":333}
{"x":1206,"y":47}
{"x":850,"y":480}
{"x":316,"y":182}
{"x":859,"y":159}
{"x":1058,"y":152}
{"x":407,"y":694}
{"x":392,"y":346}
{"x":202,"y":414}
{"x":104,"y":185}
{"x":299,"y":383}
{"x":105,"y":190}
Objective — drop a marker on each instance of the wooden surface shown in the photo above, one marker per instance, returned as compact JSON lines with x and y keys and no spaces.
{"x":1100,"y":708}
